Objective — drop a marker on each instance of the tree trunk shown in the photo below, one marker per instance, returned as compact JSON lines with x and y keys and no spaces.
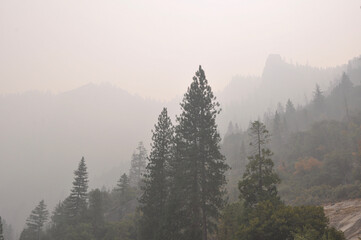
{"x":204,"y":223}
{"x":260,"y":159}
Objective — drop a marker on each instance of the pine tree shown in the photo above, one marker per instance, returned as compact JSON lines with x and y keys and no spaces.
{"x":346,"y":86}
{"x":124,"y":189}
{"x":280,"y":108}
{"x":200,"y":167}
{"x":230,"y":129}
{"x":290,"y":108}
{"x":1,"y":230}
{"x":7,"y":230}
{"x":156,"y":182}
{"x":259,"y":181}
{"x":138,"y":164}
{"x":36,"y":221}
{"x":96,"y":212}
{"x":123,"y":184}
{"x":318,"y":99}
{"x":60,"y":220}
{"x":276,"y":124}
{"x":277,"y":130}
{"x":77,"y":201}
{"x":59,"y":217}
{"x":243,"y":157}
{"x":290,"y":116}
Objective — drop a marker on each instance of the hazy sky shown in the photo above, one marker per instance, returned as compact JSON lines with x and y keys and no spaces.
{"x":153,"y":48}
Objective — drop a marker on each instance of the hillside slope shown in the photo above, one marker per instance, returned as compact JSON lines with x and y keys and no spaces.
{"x":346,"y":216}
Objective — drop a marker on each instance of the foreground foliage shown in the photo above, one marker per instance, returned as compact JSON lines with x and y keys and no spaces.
{"x":260,"y":214}
{"x":275,"y":222}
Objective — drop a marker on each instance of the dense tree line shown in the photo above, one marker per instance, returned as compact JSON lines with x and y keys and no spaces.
{"x":316,"y":147}
{"x":95,"y":214}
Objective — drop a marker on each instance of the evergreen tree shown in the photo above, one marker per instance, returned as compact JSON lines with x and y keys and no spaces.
{"x":285,"y":126}
{"x":125,"y":197}
{"x":59,"y":220}
{"x":259,"y":181}
{"x":200,"y":167}
{"x":243,"y":157}
{"x":290,"y":116}
{"x":277,"y":130}
{"x":345,"y":86}
{"x":138,"y":164}
{"x":7,"y":231}
{"x":280,"y":108}
{"x":345,"y":83}
{"x":26,"y":234}
{"x":290,"y":108}
{"x":123,"y":184}
{"x":318,"y":99}
{"x":96,"y":212}
{"x":156,"y":182}
{"x":1,"y":230}
{"x":35,"y":222}
{"x":123,"y":187}
{"x":276,"y":123}
{"x":230,"y":129}
{"x":77,"y":201}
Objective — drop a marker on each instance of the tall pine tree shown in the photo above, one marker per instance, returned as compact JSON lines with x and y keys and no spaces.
{"x":318,"y":99}
{"x":59,"y":220}
{"x":259,"y":181}
{"x":345,"y":86}
{"x":290,"y":108}
{"x":200,"y":167}
{"x":77,"y":201}
{"x":277,"y":131}
{"x":243,"y":157}
{"x":156,"y":182}
{"x":124,"y":189}
{"x":35,"y":222}
{"x":138,"y":165}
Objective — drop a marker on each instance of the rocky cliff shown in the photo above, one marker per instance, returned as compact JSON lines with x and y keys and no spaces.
{"x":346,"y":216}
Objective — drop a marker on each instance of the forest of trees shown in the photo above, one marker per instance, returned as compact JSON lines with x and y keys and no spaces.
{"x":262,"y":183}
{"x":316,"y":147}
{"x":260,"y":213}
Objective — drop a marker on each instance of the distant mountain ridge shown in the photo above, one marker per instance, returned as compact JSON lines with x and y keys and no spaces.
{"x":279,"y":82}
